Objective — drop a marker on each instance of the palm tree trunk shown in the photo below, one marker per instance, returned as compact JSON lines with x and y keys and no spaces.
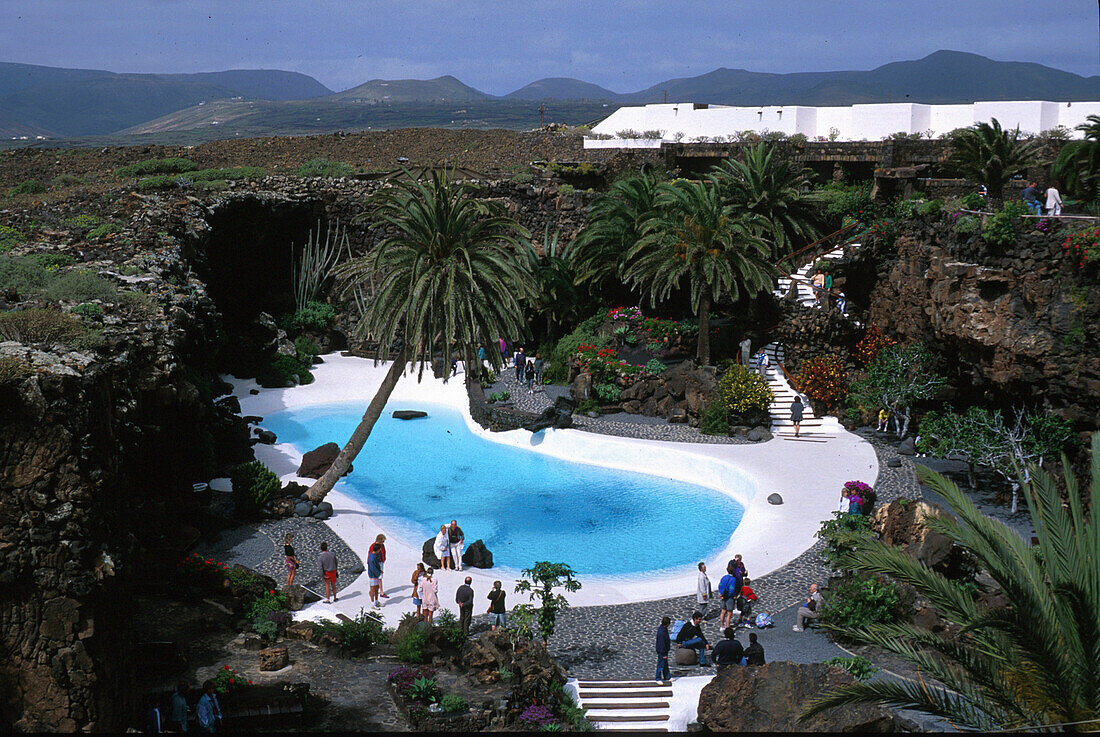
{"x":339,"y":467}
{"x":704,"y":331}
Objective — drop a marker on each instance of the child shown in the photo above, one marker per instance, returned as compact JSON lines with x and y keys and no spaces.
{"x":883,"y":420}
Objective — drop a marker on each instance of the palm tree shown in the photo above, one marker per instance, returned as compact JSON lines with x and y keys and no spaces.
{"x":614,"y":225}
{"x":1078,"y":164}
{"x":695,"y":236}
{"x":447,"y":275}
{"x":768,"y":187}
{"x":556,"y":293}
{"x":1035,"y":661}
{"x":991,"y":156}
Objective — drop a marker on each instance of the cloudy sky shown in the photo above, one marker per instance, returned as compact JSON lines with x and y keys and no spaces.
{"x":500,"y":45}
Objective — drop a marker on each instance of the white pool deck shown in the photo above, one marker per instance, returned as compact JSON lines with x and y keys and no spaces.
{"x":808,"y":475}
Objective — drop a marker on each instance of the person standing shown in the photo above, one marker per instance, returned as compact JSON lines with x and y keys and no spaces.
{"x":520,"y":362}
{"x":178,"y":709}
{"x":539,"y":366}
{"x":376,"y":559}
{"x":818,"y":283}
{"x":429,"y":594}
{"x":292,"y":562}
{"x":208,"y":712}
{"x":442,"y":547}
{"x":810,"y":609}
{"x":729,"y":601}
{"x":464,"y":597}
{"x":845,"y":502}
{"x":1054,"y":201}
{"x":746,"y":351}
{"x":703,"y":589}
{"x":754,"y":653}
{"x":796,"y":414}
{"x":416,"y":590}
{"x":529,"y":377}
{"x":828,"y":284}
{"x":455,"y":539}
{"x":503,"y":351}
{"x":327,"y":561}
{"x":841,"y":303}
{"x":664,"y":645}
{"x":762,"y":363}
{"x":498,"y":613}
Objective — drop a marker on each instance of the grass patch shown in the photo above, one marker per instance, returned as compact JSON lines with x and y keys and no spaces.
{"x":156,"y":166}
{"x":322,"y":167}
{"x":30,"y":186}
{"x":81,"y":286}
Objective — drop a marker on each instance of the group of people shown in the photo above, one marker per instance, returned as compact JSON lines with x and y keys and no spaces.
{"x":1040,"y":202}
{"x":326,"y":560}
{"x":179,"y":711}
{"x":729,"y":651}
{"x":426,"y":599}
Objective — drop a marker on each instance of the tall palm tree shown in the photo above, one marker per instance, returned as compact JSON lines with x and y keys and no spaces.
{"x":695,"y":236}
{"x":615,"y":222}
{"x":447,"y":275}
{"x":556,"y":294}
{"x":990,"y":155}
{"x":768,"y":187}
{"x":1035,"y":661}
{"x":1078,"y":164}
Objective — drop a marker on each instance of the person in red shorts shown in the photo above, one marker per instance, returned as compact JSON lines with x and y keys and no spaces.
{"x":328,"y":571}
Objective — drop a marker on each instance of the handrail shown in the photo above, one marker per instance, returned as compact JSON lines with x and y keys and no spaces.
{"x":1040,"y":217}
{"x":790,"y":379}
{"x":800,"y":280}
{"x":802,"y":250}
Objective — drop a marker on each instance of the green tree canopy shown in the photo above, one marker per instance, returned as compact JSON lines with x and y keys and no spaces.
{"x":1078,"y":164}
{"x":615,"y":223}
{"x":990,"y":155}
{"x":894,"y":380}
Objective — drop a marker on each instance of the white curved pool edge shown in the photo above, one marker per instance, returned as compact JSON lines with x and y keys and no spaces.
{"x":807,"y":475}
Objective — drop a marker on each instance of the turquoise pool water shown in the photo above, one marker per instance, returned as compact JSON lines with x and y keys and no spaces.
{"x":526,"y":506}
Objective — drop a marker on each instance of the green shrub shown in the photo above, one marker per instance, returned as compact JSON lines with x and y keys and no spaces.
{"x":860,"y":667}
{"x":654,"y":366}
{"x":608,"y":393}
{"x":410,"y":645}
{"x":453,"y":702}
{"x":307,"y":350}
{"x":9,"y":238}
{"x":66,"y":180}
{"x":566,"y":189}
{"x":316,"y":316}
{"x":283,"y":371}
{"x":228,"y":174}
{"x":838,"y":535}
{"x":89,"y":310}
{"x":254,"y":485}
{"x":715,"y":418}
{"x":587,"y":405}
{"x":524,"y":177}
{"x":847,"y":200}
{"x":972,"y":201}
{"x":904,"y":209}
{"x":967,"y":224}
{"x":358,"y":635}
{"x":932,"y":209}
{"x":50,"y":261}
{"x":857,"y":601}
{"x":152,"y":184}
{"x":1000,"y":230}
{"x":447,"y":623}
{"x":25,"y":275}
{"x":80,"y":286}
{"x":322,"y":167}
{"x":585,"y":334}
{"x":218,"y":185}
{"x":12,"y":370}
{"x":40,"y":326}
{"x":30,"y":186}
{"x":744,"y":391}
{"x":156,"y":166}
{"x":83,"y":221}
{"x":103,"y":230}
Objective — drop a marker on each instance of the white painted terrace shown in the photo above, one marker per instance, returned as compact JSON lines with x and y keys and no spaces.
{"x":807,"y":475}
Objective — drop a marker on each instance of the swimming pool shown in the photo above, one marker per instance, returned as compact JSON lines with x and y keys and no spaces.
{"x":526,"y":506}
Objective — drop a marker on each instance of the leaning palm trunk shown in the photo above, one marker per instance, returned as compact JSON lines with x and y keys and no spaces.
{"x":343,"y":461}
{"x":704,"y":331}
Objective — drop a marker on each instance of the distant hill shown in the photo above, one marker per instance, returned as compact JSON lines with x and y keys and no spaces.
{"x":561,"y":88}
{"x":440,"y":89}
{"x":258,"y":84}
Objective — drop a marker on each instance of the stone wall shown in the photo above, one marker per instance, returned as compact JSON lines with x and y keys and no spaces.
{"x":494,"y":417}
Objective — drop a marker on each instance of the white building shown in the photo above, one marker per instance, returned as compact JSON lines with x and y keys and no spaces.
{"x":650,"y":125}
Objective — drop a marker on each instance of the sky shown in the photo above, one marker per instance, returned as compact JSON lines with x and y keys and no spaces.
{"x":500,"y":45}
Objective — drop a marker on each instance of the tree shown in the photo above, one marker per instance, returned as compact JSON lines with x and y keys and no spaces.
{"x":695,"y":237}
{"x":1033,"y":661}
{"x":1078,"y":164}
{"x":895,"y":379}
{"x":445,"y":276}
{"x":986,"y":437}
{"x":614,"y":225}
{"x":767,"y":188}
{"x":542,"y":579}
{"x":991,"y":156}
{"x":556,"y":296}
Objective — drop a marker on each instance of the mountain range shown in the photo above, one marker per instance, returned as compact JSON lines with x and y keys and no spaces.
{"x":55,"y":102}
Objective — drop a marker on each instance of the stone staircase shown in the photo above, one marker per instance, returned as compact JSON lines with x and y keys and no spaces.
{"x":626,"y":706}
{"x":812,"y":427}
{"x":805,"y":274}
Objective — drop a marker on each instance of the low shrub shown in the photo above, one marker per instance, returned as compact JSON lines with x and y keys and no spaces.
{"x":654,"y":366}
{"x":88,"y":310}
{"x":824,"y":379}
{"x":857,"y":601}
{"x":23,"y":274}
{"x":316,"y":316}
{"x":932,"y":209}
{"x":66,"y":180}
{"x":587,"y":405}
{"x":40,"y":326}
{"x":524,"y":177}
{"x":410,"y":645}
{"x":152,"y":184}
{"x":307,"y":350}
{"x":566,"y":189}
{"x":715,"y":418}
{"x":229,"y":680}
{"x":1000,"y":230}
{"x":13,"y":370}
{"x":50,"y":261}
{"x":608,"y":393}
{"x":83,"y":221}
{"x":447,"y":623}
{"x":500,"y":396}
{"x":403,"y":678}
{"x":362,"y":633}
{"x":156,"y":166}
{"x":973,"y":201}
{"x":322,"y":167}
{"x":871,"y":344}
{"x":1083,"y":247}
{"x":205,"y":573}
{"x":537,"y":715}
{"x":268,"y":614}
{"x":859,"y":667}
{"x":30,"y":186}
{"x":283,"y":371}
{"x":840,"y":200}
{"x":587,"y":333}
{"x":744,"y":391}
{"x":81,"y":286}
{"x":839,"y":533}
{"x":254,"y":485}
{"x":9,"y":238}
{"x":229,"y":174}
{"x":454,"y":703}
{"x":104,"y":230}
{"x":966,"y":224}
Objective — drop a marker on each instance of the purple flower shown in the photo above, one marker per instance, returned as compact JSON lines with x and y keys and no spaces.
{"x":537,"y":715}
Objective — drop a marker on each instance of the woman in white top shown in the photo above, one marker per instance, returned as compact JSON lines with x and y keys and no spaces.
{"x":845,"y":502}
{"x":442,"y":546}
{"x":703,"y":590}
{"x":1054,"y":201}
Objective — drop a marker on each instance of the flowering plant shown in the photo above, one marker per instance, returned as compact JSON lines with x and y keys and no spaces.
{"x":823,"y":378}
{"x":403,"y":678}
{"x":1046,"y":225}
{"x":625,"y":314}
{"x":871,"y":344}
{"x":863,"y":494}
{"x":537,"y":715}
{"x":229,"y":680}
{"x":1082,"y":246}
{"x":603,"y":363}
{"x":201,"y":571}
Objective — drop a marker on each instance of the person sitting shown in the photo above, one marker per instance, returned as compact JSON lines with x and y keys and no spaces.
{"x":729,"y":651}
{"x":810,"y":609}
{"x":754,"y":653}
{"x":691,"y":636}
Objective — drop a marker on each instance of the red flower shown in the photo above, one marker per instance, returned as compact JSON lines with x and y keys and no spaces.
{"x":225,"y":667}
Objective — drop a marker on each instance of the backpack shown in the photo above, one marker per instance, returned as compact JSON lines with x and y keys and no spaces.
{"x":763,"y":619}
{"x":674,"y":630}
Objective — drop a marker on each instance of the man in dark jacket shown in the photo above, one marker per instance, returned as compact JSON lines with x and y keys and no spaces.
{"x":663,"y":646}
{"x":691,"y":636}
{"x":754,"y":653}
{"x":1030,"y":196}
{"x":464,"y":597}
{"x":728,"y":651}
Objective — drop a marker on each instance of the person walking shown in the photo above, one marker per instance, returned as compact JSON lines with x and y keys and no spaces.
{"x":828,"y":284}
{"x":818,"y":283}
{"x":442,"y":547}
{"x":207,"y":712}
{"x":429,"y":594}
{"x":327,"y":561}
{"x":810,"y":609}
{"x":703,"y":590}
{"x":841,"y":303}
{"x":520,"y":362}
{"x":503,"y":351}
{"x":796,"y":414}
{"x":540,"y":364}
{"x":376,"y":559}
{"x":464,"y":597}
{"x":664,"y":645}
{"x":762,"y":363}
{"x":178,"y":709}
{"x":455,"y":540}
{"x":292,"y":562}
{"x":1054,"y":201}
{"x":416,"y":590}
{"x":529,"y":377}
{"x":498,"y":613}
{"x":754,"y":653}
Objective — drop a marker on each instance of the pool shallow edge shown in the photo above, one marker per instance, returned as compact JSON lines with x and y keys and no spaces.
{"x":807,"y":476}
